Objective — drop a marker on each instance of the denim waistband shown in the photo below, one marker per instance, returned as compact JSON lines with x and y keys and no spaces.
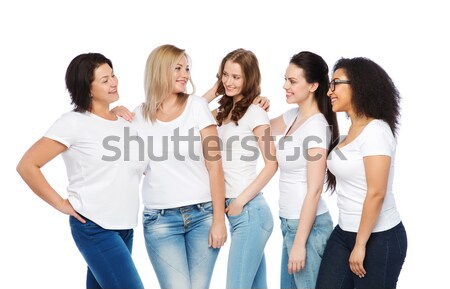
{"x":179,"y":209}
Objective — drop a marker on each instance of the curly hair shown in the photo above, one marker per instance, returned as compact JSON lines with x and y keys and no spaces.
{"x":373,"y":91}
{"x":315,"y":69}
{"x":251,"y":87}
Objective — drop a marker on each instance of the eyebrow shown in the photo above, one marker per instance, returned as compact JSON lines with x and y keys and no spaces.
{"x":231,"y":73}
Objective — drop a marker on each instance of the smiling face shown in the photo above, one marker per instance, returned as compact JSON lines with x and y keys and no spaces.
{"x":181,"y":76}
{"x":297,"y":88}
{"x":233,"y":80}
{"x":341,"y":97}
{"x":104,"y":86}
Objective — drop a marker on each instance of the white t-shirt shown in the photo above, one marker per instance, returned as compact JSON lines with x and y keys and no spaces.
{"x":240,"y":150}
{"x":176,"y":175}
{"x":375,"y":139}
{"x":103,"y":166}
{"x":293,"y":158}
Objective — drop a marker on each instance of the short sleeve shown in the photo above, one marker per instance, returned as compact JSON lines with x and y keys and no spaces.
{"x":378,"y":140}
{"x":64,"y":129}
{"x":202,"y":112}
{"x":290,"y":115}
{"x":317,"y":134}
{"x":257,"y":116}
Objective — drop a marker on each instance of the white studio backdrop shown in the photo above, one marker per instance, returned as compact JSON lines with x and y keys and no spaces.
{"x":39,"y":39}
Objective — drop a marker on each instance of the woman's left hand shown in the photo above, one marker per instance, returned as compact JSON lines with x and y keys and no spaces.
{"x":123,"y":112}
{"x":263,"y":102}
{"x":356,"y":260}
{"x":217,"y":235}
{"x":234,"y":209}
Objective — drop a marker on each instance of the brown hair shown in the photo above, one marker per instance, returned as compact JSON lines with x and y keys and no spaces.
{"x":251,"y":87}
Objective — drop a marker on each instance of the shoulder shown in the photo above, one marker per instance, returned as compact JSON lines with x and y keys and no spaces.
{"x":318,"y":126}
{"x":197,"y":103}
{"x":197,"y":100}
{"x":379,"y":127}
{"x":289,"y":115}
{"x":377,"y":139}
{"x":318,"y":122}
{"x":138,"y":109}
{"x":319,"y":119}
{"x":71,"y":117}
{"x":255,"y":109}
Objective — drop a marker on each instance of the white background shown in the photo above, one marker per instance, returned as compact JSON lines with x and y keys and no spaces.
{"x":39,"y":38}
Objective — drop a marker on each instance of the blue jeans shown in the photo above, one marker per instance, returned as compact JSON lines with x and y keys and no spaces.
{"x":250,"y":231}
{"x":177,"y":244}
{"x":315,"y":247}
{"x":385,"y":254}
{"x":107,"y":254}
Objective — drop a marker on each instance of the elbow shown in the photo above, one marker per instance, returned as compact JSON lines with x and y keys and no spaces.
{"x":20,"y":168}
{"x":272,"y":167}
{"x":376,"y":196}
{"x":25,"y":167}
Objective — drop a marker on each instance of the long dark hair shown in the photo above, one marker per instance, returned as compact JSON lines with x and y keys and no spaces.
{"x":373,"y":92}
{"x":316,"y":70}
{"x":250,"y":89}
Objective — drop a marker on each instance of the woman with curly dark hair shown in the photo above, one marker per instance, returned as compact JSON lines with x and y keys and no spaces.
{"x":243,"y":129}
{"x":368,"y":246}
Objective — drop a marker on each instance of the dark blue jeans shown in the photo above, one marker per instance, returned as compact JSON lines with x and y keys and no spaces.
{"x":107,"y":254}
{"x":385,"y":254}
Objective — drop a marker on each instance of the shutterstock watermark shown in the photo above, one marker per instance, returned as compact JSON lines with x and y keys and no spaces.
{"x":182,"y":146}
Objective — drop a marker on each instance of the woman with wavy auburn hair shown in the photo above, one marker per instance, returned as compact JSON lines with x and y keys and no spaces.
{"x":251,"y":222}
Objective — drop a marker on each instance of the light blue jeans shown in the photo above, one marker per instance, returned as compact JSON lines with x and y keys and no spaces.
{"x":177,"y":244}
{"x":250,"y":231}
{"x":315,"y":246}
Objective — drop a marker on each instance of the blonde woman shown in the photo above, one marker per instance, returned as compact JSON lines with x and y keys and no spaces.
{"x":183,"y":188}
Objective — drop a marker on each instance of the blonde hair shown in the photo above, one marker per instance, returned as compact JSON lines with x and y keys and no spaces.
{"x":158,"y":79}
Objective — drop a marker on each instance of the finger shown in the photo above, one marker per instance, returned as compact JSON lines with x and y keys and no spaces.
{"x":210,"y":241}
{"x":216,"y":245}
{"x":79,"y":218}
{"x":362,"y":271}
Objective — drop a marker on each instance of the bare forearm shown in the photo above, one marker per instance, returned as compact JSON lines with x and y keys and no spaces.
{"x":218,"y":192}
{"x":34,"y":178}
{"x":307,"y":217}
{"x":371,"y":211}
{"x":210,"y":94}
{"x":263,"y":178}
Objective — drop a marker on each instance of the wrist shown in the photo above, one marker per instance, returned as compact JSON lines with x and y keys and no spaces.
{"x":219,"y":218}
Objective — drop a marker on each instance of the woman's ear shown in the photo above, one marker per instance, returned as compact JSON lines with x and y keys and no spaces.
{"x":313,"y":86}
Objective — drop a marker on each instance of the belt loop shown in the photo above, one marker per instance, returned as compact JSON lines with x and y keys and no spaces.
{"x":162,"y":212}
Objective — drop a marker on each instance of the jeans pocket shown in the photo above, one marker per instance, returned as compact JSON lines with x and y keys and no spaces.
{"x":291,"y":225}
{"x":150,"y":217}
{"x":265,"y":217}
{"x":238,"y":219}
{"x":206,"y":207}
